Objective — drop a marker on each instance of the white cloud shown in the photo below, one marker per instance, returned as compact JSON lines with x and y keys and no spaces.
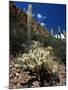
{"x":39,"y":15}
{"x":25,"y":10}
{"x":42,"y":24}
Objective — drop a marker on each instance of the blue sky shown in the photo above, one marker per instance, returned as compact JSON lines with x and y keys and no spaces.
{"x":48,"y":15}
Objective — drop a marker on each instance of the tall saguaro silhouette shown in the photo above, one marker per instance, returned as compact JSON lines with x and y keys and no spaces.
{"x":52,"y":31}
{"x":64,"y":33}
{"x":59,"y":31}
{"x":29,"y":23}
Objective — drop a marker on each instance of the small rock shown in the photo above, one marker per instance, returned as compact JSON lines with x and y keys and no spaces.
{"x":10,"y":66}
{"x":35,"y":84}
{"x":10,"y":75}
{"x":17,"y":74}
{"x":16,"y":65}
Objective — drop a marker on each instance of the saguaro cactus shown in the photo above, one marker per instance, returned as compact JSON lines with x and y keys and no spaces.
{"x":59,"y":31}
{"x":64,"y":34}
{"x":29,"y":23}
{"x":52,"y":31}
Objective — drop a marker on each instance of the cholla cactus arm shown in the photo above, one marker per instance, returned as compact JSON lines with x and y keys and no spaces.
{"x":24,"y":55}
{"x":24,"y":67}
{"x":49,"y":48}
{"x":31,"y":65}
{"x":20,"y":61}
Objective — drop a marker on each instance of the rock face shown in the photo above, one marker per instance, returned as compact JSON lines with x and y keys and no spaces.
{"x":25,"y":79}
{"x":17,"y":77}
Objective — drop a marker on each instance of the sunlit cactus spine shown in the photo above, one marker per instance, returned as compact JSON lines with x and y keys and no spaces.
{"x":29,"y":23}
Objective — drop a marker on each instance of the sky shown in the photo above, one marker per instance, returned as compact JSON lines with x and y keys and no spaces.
{"x":48,"y":15}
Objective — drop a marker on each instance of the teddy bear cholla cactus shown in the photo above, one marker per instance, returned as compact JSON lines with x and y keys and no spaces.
{"x":39,"y":57}
{"x":35,"y":44}
{"x":34,"y":59}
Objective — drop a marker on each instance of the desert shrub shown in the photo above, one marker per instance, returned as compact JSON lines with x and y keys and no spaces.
{"x":17,"y":35}
{"x":59,"y":48}
{"x":43,"y":39}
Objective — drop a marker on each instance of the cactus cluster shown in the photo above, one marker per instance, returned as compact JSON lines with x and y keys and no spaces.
{"x":38,"y":57}
{"x":34,"y":59}
{"x":35,"y":44}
